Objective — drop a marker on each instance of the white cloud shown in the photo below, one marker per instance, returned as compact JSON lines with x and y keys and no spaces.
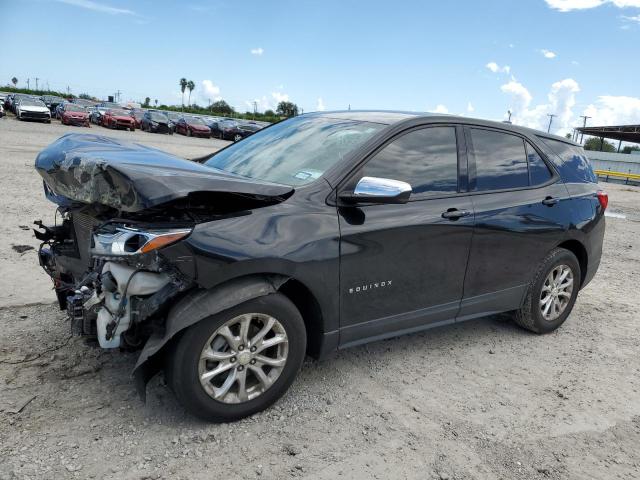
{"x":561,"y":101}
{"x":470,"y":108}
{"x":632,"y":19}
{"x":98,"y":7}
{"x":614,"y":110}
{"x":280,"y":97}
{"x":568,"y":5}
{"x":495,"y":68}
{"x":548,"y":53}
{"x":257,"y":51}
{"x":320,"y":105}
{"x":440,"y":109}
{"x":209,"y":90}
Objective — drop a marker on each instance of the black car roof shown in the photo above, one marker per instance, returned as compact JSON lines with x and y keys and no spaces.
{"x":394,"y":117}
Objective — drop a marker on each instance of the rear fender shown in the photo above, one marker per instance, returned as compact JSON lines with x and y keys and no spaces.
{"x":196,"y":306}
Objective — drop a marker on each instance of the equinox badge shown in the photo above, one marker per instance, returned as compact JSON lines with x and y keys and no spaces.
{"x":370,"y":286}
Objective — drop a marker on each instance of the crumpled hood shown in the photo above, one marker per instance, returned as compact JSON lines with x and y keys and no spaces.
{"x":91,"y":169}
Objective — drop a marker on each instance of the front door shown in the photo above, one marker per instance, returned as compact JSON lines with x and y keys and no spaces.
{"x":403,"y":265}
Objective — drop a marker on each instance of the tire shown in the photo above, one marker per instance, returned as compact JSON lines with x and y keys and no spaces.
{"x":188,"y":132}
{"x":237,"y":137}
{"x":182,"y":369}
{"x":531,"y":315}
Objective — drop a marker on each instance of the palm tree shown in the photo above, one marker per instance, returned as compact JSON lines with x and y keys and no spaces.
{"x":183,"y":87}
{"x":190,"y":86}
{"x":14,"y":80}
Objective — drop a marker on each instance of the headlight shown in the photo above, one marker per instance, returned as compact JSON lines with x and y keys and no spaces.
{"x":129,"y":241}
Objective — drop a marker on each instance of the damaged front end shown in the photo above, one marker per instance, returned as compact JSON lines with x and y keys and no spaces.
{"x":117,"y":253}
{"x":110,"y":277}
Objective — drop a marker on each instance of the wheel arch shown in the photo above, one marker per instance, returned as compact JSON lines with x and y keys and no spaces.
{"x":200,"y":304}
{"x":578,"y":249}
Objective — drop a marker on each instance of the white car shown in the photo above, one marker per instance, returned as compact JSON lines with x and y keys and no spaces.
{"x":1,"y":110}
{"x":31,"y":109}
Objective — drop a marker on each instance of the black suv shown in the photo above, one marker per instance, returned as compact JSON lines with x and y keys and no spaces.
{"x":317,"y":233}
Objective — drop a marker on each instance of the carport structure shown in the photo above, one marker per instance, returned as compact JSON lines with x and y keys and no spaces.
{"x":622,"y":133}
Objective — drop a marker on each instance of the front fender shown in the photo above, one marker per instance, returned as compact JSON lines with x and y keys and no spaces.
{"x":195,"y":306}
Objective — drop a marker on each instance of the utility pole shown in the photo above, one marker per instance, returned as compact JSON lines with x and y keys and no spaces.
{"x":509,"y":113}
{"x":255,"y":109}
{"x":550,"y":115}
{"x":117,"y":96}
{"x":68,"y":91}
{"x":584,"y":124}
{"x":37,"y":83}
{"x":28,"y":88}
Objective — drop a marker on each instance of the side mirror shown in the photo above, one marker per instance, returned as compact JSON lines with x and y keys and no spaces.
{"x":378,"y":190}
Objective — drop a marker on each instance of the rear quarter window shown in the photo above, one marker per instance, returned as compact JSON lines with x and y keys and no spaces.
{"x":571,"y":161}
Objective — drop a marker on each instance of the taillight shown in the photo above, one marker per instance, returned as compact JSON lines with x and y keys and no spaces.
{"x":603,"y":198}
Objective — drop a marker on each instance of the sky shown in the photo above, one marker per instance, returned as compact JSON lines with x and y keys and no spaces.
{"x":464,"y":57}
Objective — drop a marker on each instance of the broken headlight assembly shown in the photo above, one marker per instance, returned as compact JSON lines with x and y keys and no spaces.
{"x":124,"y":240}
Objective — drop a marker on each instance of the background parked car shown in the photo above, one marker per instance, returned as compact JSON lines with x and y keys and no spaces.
{"x":245,"y":130}
{"x":193,"y":126}
{"x":137,"y":115}
{"x":174,"y":117}
{"x":1,"y":110}
{"x":32,"y":109}
{"x":228,"y":130}
{"x":73,"y":114}
{"x":156,"y":121}
{"x":96,"y":113}
{"x":17,"y":97}
{"x":118,"y":118}
{"x":52,"y":102}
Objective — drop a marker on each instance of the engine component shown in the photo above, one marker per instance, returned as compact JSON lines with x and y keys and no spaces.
{"x":115,"y":317}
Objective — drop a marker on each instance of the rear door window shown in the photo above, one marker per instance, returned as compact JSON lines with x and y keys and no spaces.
{"x":571,"y":161}
{"x":500,"y":161}
{"x":427,"y":159}
{"x":539,"y":173}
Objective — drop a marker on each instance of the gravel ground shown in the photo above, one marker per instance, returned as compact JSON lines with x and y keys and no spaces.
{"x":478,"y":400}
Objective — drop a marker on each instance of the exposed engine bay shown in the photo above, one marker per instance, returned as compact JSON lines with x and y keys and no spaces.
{"x":109,"y":277}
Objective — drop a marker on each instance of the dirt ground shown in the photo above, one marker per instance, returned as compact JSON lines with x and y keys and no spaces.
{"x":478,"y":400}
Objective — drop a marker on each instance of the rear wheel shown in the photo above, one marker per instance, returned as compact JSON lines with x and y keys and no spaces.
{"x":188,"y":132}
{"x":237,"y":137}
{"x":552,"y":293}
{"x":240,"y":361}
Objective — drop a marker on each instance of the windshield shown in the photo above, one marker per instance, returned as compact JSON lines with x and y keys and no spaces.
{"x":118,"y":112}
{"x":194,"y":121}
{"x":174,"y":116}
{"x":31,"y":103}
{"x":70,"y":107}
{"x":158,"y":117}
{"x":296,"y":151}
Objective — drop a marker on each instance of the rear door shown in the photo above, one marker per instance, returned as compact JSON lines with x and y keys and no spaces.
{"x":522,"y":210}
{"x":402,"y":265}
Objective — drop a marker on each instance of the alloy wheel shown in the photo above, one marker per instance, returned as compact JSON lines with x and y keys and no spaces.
{"x":243,"y":358}
{"x":556,"y":292}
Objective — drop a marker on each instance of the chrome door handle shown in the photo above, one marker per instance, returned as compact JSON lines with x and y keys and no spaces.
{"x":454,"y":214}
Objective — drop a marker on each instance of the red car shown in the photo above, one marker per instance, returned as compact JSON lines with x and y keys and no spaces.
{"x":193,"y":126}
{"x":72,"y":114}
{"x":137,"y":115}
{"x":115,"y":118}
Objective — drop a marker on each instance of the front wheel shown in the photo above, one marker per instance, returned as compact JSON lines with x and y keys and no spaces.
{"x":237,"y":137}
{"x":552,"y":293}
{"x":240,"y":361}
